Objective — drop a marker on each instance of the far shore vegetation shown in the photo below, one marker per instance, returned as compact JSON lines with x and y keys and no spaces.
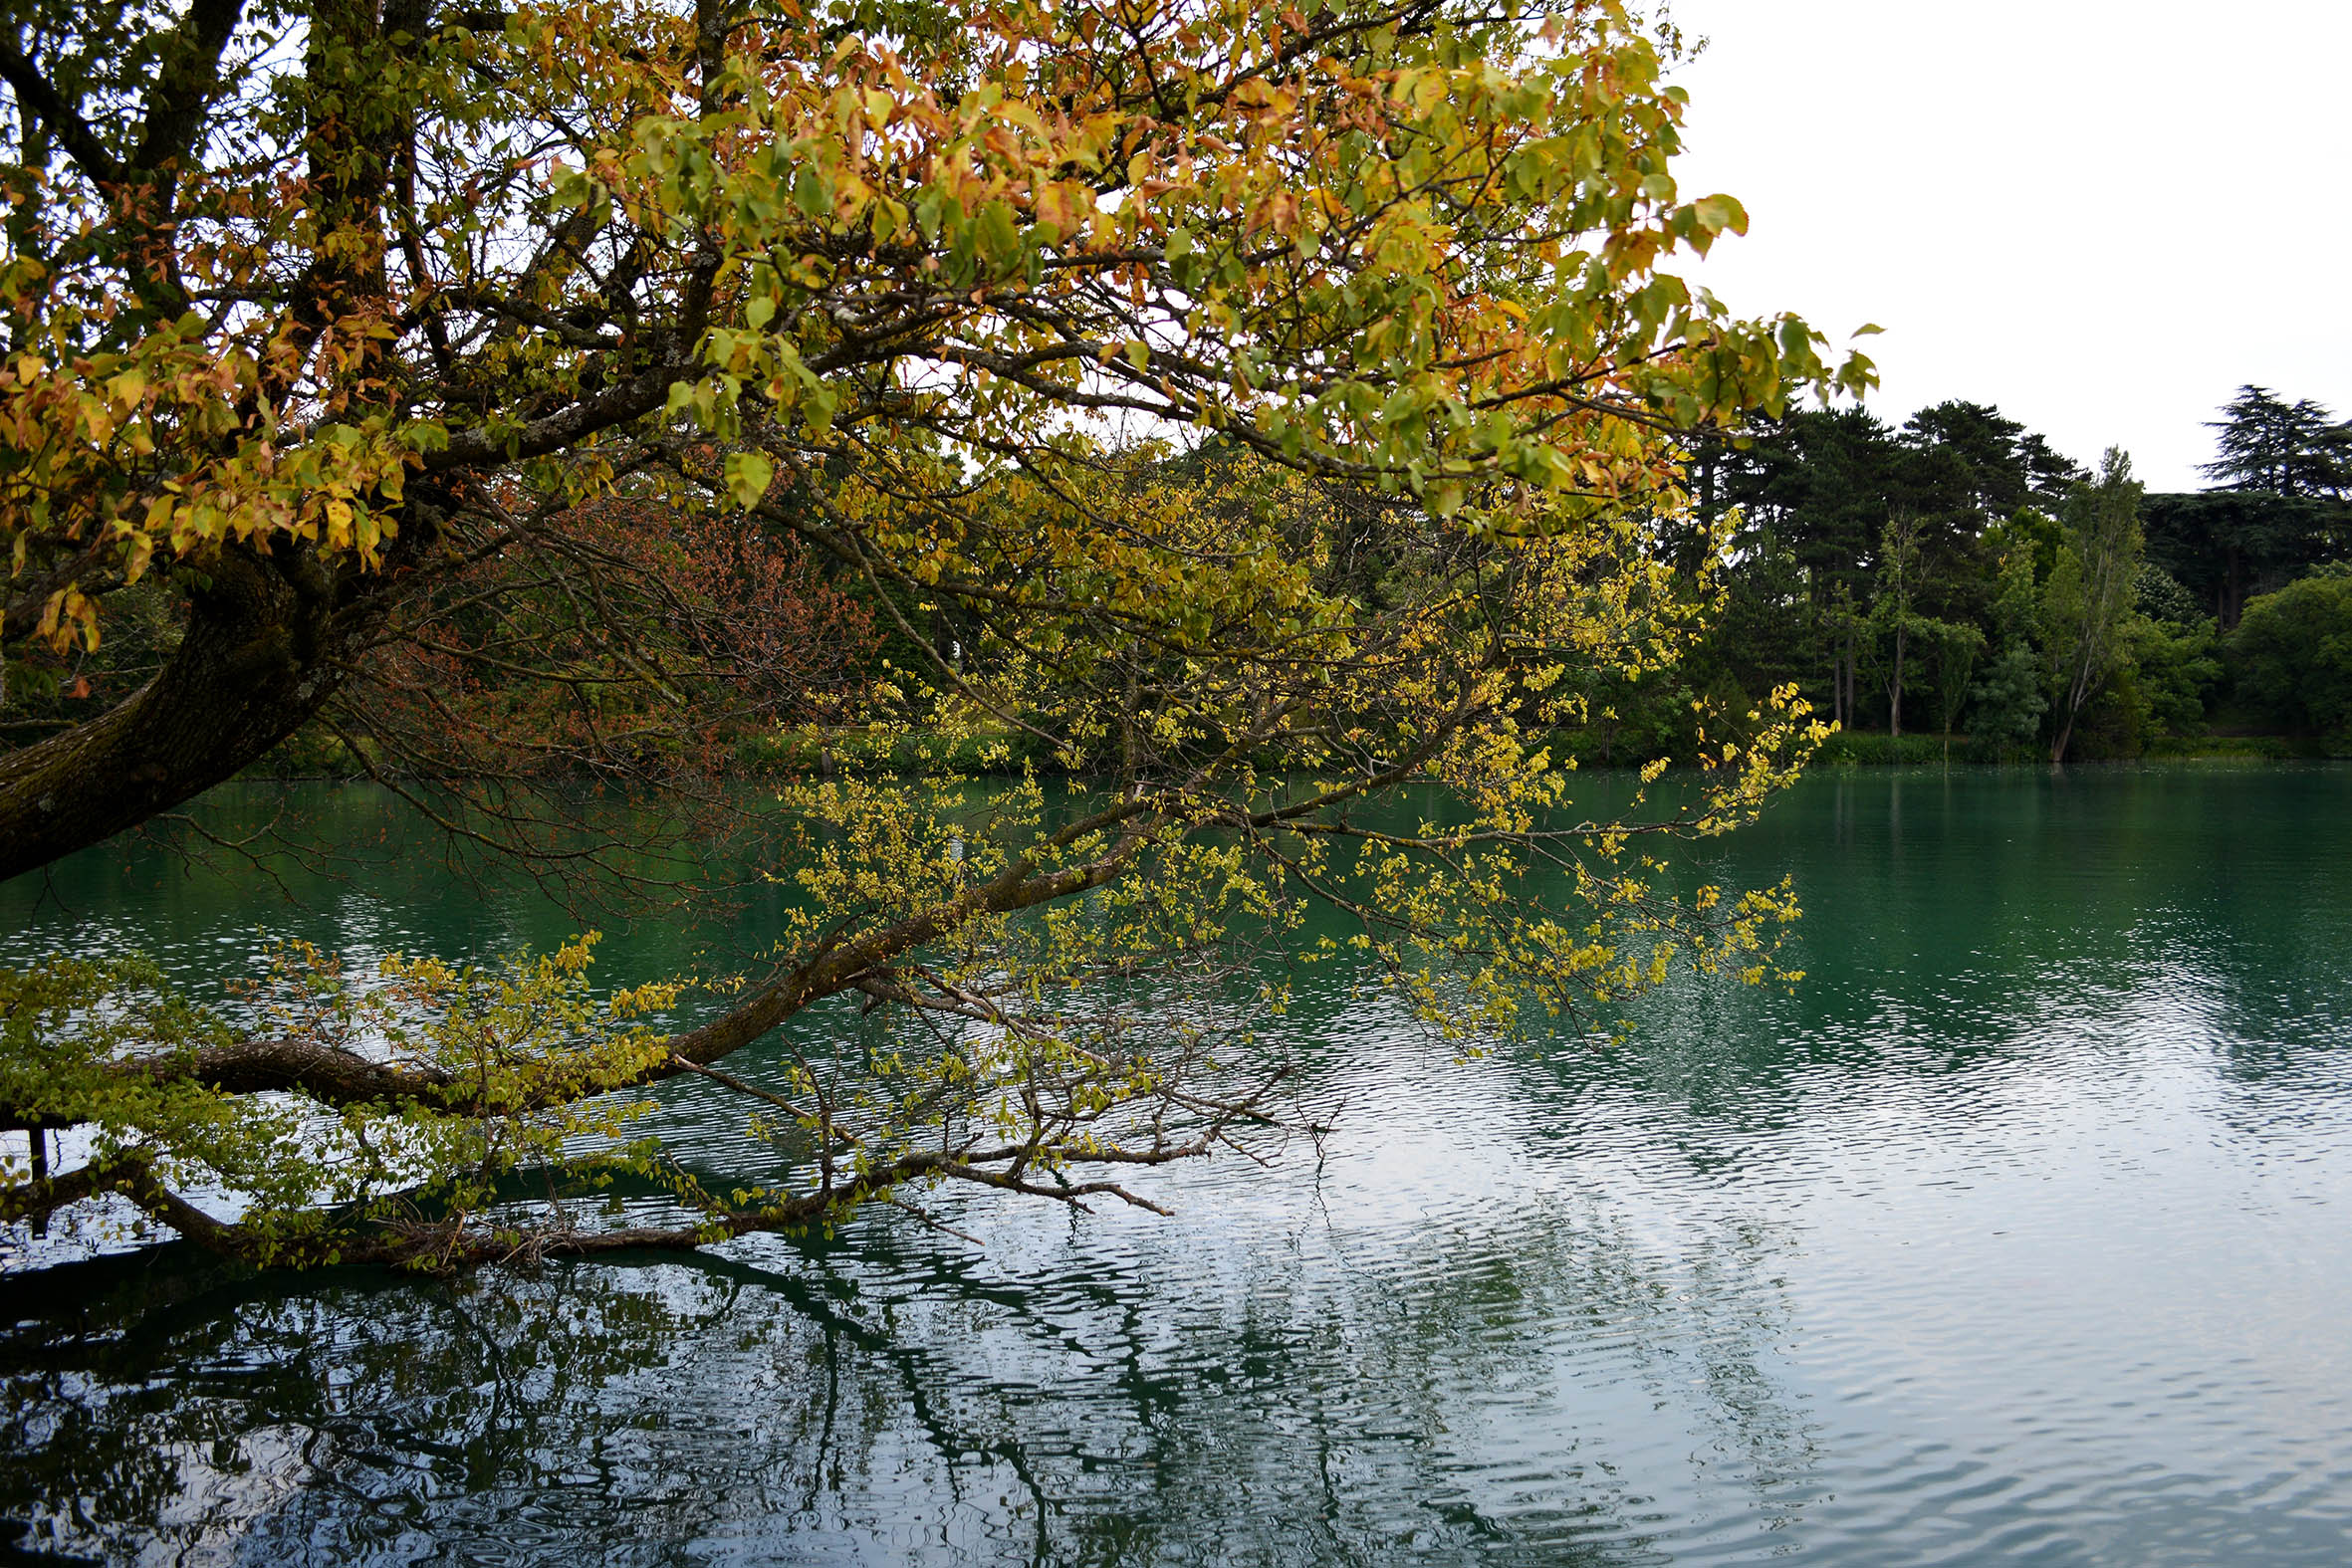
{"x":1923,"y":586}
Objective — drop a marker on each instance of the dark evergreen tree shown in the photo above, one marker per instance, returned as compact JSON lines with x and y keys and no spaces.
{"x":1821,"y":482}
{"x":2226,"y":545}
{"x":2000,"y":463}
{"x":1817,"y":491}
{"x":2270,"y":445}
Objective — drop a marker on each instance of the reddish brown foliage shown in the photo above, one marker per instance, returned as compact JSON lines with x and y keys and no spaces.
{"x":632,"y":640}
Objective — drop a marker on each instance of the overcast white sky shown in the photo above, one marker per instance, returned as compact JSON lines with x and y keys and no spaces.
{"x":2101,"y":216}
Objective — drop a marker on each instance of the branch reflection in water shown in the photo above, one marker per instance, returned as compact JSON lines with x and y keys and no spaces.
{"x":878,"y":1396}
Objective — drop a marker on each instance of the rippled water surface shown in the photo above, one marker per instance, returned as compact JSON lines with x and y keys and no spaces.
{"x":2019,"y":1233}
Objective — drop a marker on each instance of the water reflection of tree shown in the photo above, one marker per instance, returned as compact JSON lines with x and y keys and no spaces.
{"x":882,"y":1396}
{"x":1989,"y":920}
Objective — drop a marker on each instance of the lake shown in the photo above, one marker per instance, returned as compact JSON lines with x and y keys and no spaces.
{"x":2022,"y":1232}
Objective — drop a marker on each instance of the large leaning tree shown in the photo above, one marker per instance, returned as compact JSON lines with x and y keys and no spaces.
{"x":1268,"y":407}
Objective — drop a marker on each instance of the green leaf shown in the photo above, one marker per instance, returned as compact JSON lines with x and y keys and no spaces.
{"x":1000,"y":236}
{"x":748,"y":477}
{"x":1717,"y":213}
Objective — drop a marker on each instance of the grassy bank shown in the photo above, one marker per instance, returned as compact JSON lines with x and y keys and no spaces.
{"x":804,"y":752}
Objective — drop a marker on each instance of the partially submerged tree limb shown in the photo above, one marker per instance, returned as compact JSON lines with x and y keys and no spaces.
{"x":469,"y":1241}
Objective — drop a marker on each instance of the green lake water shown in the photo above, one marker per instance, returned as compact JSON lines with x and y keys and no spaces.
{"x":2021,"y":1233}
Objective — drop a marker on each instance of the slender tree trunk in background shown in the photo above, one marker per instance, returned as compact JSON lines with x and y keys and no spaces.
{"x":2065,"y":734}
{"x":2078,"y":692}
{"x":2106,"y":538}
{"x":1895,"y":692}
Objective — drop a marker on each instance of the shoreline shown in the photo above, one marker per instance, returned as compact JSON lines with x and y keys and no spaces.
{"x":858,"y":753}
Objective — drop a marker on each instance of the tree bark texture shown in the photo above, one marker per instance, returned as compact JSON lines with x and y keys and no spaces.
{"x":260,"y":654}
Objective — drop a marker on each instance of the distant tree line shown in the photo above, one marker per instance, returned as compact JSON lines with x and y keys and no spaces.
{"x":1959,"y":579}
{"x":1953,"y":584}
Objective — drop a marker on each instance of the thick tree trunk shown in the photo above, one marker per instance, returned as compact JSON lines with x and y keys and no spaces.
{"x":258,"y":658}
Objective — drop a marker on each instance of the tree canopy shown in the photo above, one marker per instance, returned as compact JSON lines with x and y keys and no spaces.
{"x":1269,"y":406}
{"x":2293,"y":653}
{"x":2282,"y":448}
